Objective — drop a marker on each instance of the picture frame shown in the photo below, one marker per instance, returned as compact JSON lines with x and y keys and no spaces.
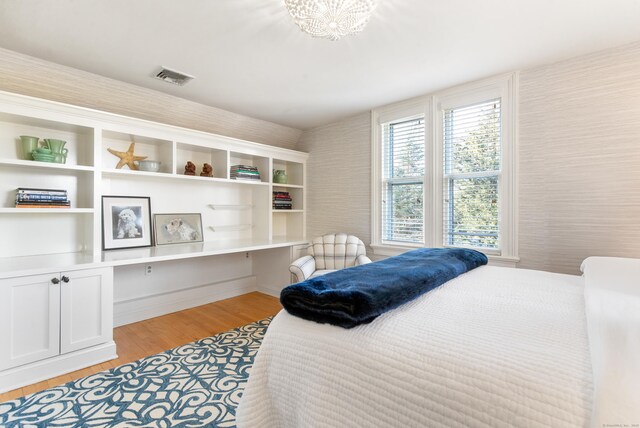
{"x":177,"y":228}
{"x":126,"y":222}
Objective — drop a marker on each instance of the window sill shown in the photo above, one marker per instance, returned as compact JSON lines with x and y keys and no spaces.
{"x":394,"y":250}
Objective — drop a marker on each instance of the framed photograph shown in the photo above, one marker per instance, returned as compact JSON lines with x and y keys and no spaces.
{"x":126,"y":222}
{"x":177,"y":228}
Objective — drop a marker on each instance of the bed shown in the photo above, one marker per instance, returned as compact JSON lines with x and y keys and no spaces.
{"x":493,"y":347}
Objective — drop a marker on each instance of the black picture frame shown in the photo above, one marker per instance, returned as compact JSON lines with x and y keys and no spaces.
{"x":126,"y":222}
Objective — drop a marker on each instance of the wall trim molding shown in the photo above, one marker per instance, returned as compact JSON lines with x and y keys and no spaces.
{"x":144,"y":307}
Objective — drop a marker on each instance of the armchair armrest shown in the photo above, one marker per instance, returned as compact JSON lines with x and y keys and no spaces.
{"x":303,"y":267}
{"x":362,"y":260}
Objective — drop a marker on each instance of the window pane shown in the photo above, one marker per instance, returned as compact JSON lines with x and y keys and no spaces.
{"x":471,"y":212}
{"x":403,"y":148}
{"x":403,"y":175}
{"x":472,"y":138}
{"x":472,"y":145}
{"x":402,"y":212}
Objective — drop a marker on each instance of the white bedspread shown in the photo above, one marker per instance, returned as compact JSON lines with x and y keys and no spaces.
{"x":612,"y":292}
{"x":495,"y":347}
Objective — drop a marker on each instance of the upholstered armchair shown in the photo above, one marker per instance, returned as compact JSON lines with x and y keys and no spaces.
{"x":329,"y":253}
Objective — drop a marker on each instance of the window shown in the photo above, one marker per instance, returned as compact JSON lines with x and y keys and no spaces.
{"x":472,"y":143}
{"x":403,"y":181}
{"x":451,"y":186}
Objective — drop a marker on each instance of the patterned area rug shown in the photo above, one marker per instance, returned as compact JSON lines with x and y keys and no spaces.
{"x":194,"y":385}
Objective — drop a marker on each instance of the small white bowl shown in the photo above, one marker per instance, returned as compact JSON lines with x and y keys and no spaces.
{"x":149,"y":165}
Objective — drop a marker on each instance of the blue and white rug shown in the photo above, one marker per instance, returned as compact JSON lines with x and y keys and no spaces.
{"x":194,"y":385}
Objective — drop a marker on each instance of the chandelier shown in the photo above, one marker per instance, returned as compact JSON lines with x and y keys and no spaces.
{"x":330,"y":19}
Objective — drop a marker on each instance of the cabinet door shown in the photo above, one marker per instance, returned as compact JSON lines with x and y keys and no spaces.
{"x":29,"y":319}
{"x":86,"y":304}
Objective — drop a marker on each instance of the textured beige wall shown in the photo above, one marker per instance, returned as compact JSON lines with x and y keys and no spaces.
{"x":580,"y":160}
{"x":31,"y":76}
{"x":339,"y":177}
{"x":579,"y":176}
{"x":579,"y":179}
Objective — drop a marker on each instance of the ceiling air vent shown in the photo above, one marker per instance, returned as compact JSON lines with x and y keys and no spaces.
{"x":173,"y":76}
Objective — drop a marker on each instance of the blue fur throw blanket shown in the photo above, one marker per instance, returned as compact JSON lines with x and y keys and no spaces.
{"x":359,"y":294}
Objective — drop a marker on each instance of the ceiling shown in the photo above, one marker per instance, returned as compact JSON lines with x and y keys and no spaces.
{"x":249,"y":57}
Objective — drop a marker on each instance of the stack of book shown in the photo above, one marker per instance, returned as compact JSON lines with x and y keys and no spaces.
{"x":41,"y":198}
{"x":245,"y":172}
{"x":282,"y":201}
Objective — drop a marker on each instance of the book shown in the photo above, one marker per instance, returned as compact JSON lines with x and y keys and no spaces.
{"x":43,"y":203}
{"x":42,"y":206}
{"x":40,"y":197}
{"x":247,"y":174}
{"x":242,"y":171}
{"x":33,"y":191}
{"x":246,"y":178}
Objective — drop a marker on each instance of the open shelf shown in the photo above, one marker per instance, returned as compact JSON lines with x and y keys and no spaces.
{"x":79,"y":139}
{"x":152,"y":148}
{"x":288,"y":223}
{"x":200,"y":155}
{"x":296,"y":193}
{"x":77,"y":183}
{"x":294,"y":171}
{"x":46,"y":230}
{"x":260,"y":162}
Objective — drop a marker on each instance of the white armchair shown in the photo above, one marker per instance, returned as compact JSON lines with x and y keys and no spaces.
{"x":329,"y":253}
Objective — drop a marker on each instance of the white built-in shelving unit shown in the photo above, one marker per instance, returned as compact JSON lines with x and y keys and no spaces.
{"x":56,"y":281}
{"x":232,"y":210}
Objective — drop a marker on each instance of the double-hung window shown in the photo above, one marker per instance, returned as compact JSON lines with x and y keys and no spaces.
{"x":471,"y":137}
{"x":446,"y":176}
{"x":402,"y":208}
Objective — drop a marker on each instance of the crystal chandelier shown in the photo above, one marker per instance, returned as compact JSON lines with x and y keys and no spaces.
{"x":330,"y":19}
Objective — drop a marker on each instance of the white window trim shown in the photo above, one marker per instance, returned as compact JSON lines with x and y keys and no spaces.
{"x":503,"y":86}
{"x":405,"y":109}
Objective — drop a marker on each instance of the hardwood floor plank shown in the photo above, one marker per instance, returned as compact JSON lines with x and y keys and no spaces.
{"x":148,"y":337}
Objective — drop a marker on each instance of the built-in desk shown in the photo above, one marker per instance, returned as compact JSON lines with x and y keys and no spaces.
{"x":187,"y":251}
{"x":153,"y":281}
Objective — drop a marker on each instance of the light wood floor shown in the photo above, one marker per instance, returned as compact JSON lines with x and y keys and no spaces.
{"x":138,"y":340}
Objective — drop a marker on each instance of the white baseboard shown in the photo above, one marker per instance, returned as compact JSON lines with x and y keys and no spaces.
{"x":271,"y":291}
{"x":51,"y":367}
{"x":142,"y":308}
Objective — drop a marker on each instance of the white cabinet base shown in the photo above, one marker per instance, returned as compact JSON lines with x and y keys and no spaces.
{"x":51,"y":367}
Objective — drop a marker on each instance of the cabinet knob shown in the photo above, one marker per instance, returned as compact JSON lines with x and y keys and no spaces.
{"x":65,"y":279}
{"x":55,"y":280}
